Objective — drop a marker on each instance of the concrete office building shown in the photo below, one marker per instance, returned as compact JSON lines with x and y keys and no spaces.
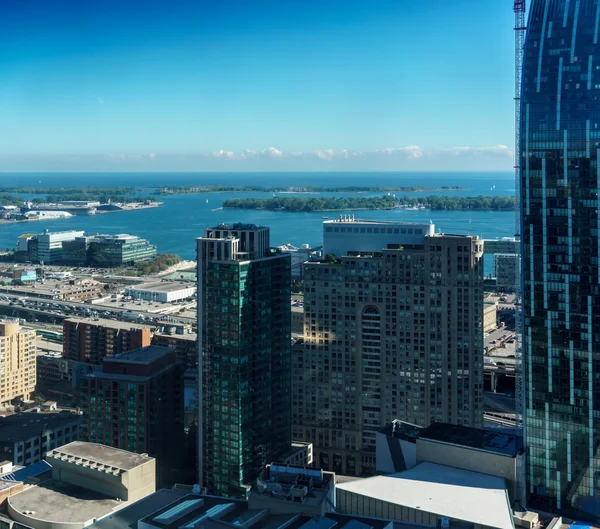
{"x":560,"y":178}
{"x":161,"y":291}
{"x":90,"y":340}
{"x":244,"y":356}
{"x":17,"y":361}
{"x":505,"y":270}
{"x":107,"y":251}
{"x":392,"y":330}
{"x":136,"y":403}
{"x":50,"y":245}
{"x":89,"y":483}
{"x":26,"y":437}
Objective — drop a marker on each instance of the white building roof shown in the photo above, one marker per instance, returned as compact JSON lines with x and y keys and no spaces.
{"x":445,"y":491}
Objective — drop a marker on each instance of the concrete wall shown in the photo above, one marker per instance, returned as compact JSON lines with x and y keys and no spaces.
{"x":489,"y":317}
{"x":469,"y":459}
{"x":393,"y":454}
{"x":141,"y":481}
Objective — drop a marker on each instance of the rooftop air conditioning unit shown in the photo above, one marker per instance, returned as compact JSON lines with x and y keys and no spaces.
{"x":298,"y":493}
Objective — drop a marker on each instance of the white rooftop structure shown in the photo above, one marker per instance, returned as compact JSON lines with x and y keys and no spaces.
{"x":443,"y":491}
{"x":348,"y":234}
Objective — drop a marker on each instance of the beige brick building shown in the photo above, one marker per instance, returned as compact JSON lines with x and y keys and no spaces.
{"x":17,"y":361}
{"x":389,"y":333}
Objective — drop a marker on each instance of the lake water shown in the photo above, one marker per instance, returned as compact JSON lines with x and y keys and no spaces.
{"x":174,"y":227}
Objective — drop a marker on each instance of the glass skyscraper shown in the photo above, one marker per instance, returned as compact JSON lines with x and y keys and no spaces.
{"x":244,"y":335}
{"x":560,"y":181}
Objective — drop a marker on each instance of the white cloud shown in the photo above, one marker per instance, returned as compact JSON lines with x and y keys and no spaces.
{"x":273,"y":152}
{"x":116,"y":156}
{"x":224,"y":154}
{"x":152,"y":156}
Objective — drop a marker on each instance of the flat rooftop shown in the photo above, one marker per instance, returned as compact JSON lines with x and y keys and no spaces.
{"x":142,"y":356}
{"x":54,"y":501}
{"x":402,"y":430}
{"x":445,"y":491}
{"x":101,"y":455}
{"x":389,"y":223}
{"x":130,"y":514}
{"x":211,"y":512}
{"x":163,"y":286}
{"x":25,"y":425}
{"x":110,"y":324}
{"x":476,"y":438}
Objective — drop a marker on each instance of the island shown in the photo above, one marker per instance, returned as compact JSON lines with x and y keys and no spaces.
{"x":179,"y":190}
{"x":296,"y":204}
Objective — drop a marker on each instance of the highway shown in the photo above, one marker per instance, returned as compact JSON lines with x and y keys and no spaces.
{"x":55,"y":311}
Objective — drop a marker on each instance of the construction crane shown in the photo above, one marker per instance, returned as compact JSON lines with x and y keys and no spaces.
{"x":519,"y":8}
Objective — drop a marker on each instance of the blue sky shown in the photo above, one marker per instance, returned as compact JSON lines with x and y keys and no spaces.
{"x":256,"y":85}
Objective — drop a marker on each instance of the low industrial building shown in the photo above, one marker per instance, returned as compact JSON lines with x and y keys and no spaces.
{"x":26,"y":437}
{"x":437,"y":495}
{"x":163,"y":291}
{"x":89,"y":482}
{"x":74,"y":290}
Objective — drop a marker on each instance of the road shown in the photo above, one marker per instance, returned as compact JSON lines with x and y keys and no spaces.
{"x":499,"y":403}
{"x":60,"y":310}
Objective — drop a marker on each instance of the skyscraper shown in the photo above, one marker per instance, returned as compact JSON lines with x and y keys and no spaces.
{"x":244,"y":336}
{"x":393,"y":329}
{"x":560,"y":182}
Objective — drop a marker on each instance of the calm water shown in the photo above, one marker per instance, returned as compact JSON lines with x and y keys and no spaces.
{"x":174,"y":226}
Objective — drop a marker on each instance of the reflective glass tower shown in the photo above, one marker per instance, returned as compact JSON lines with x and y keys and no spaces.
{"x":244,"y":338}
{"x":560,"y":180}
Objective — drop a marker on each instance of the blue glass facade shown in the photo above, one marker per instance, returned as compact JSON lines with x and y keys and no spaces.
{"x":560,"y":180}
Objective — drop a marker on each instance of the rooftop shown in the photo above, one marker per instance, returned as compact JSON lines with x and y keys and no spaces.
{"x":163,"y":286}
{"x":215,"y":512}
{"x":349,"y":219}
{"x":129,"y":516}
{"x":479,"y":439}
{"x":100,"y":455}
{"x":22,"y":426}
{"x":60,"y":502}
{"x":110,"y":324}
{"x":143,"y":356}
{"x":460,"y":494}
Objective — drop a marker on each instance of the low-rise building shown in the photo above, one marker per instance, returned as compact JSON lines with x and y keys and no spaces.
{"x":89,"y":482}
{"x":162,"y":291}
{"x":432,"y":494}
{"x":402,"y":446}
{"x":25,"y":438}
{"x":297,"y":320}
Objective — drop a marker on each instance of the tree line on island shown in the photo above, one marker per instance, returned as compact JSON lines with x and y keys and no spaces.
{"x":298,"y":204}
{"x":177,"y":190}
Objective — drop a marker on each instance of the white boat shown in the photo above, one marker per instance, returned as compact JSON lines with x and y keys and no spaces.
{"x":207,"y":200}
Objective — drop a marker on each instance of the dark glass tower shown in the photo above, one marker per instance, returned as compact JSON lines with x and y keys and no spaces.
{"x":560,"y":142}
{"x":244,"y":332}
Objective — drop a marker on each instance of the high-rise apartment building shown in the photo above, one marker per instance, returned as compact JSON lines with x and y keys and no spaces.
{"x":392,"y":330}
{"x":560,"y":183}
{"x":17,"y":361}
{"x":90,"y":340}
{"x":136,"y":403}
{"x":244,"y":356}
